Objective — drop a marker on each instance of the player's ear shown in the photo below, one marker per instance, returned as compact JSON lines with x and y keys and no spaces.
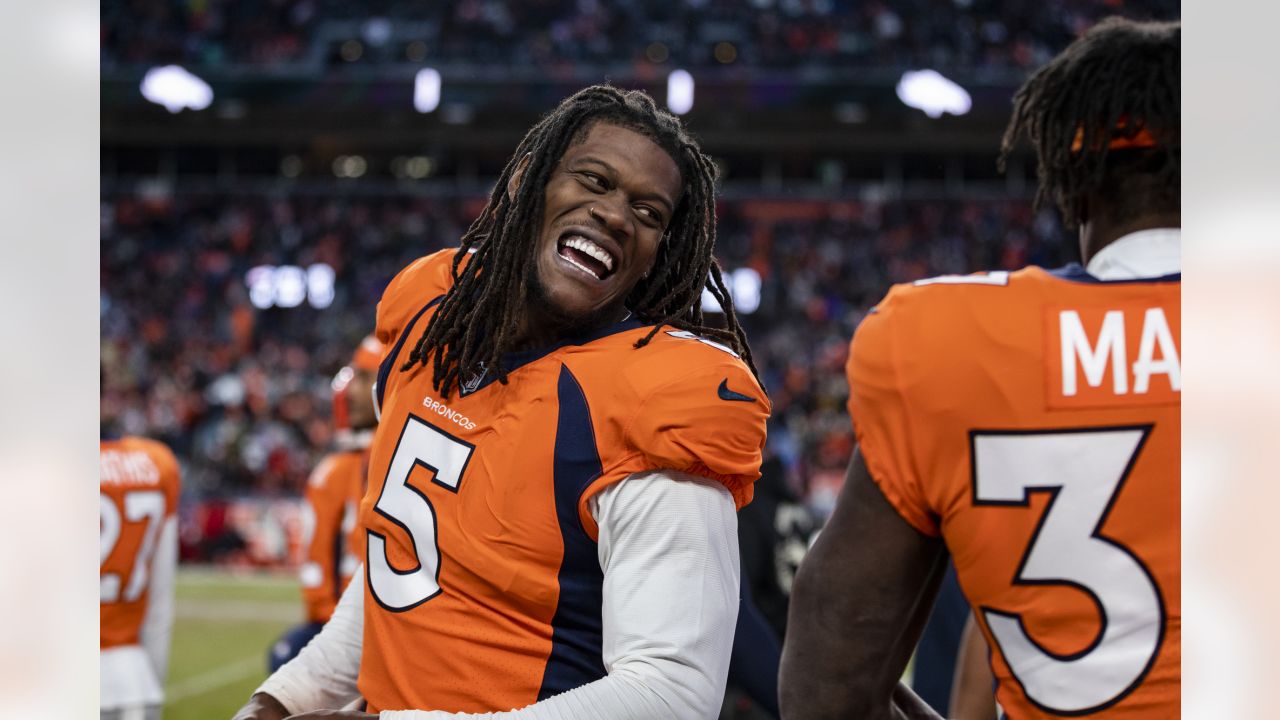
{"x":514,"y":183}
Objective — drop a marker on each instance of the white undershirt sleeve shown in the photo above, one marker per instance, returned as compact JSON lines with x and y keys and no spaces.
{"x":668,"y":547}
{"x":157,"y":623}
{"x":323,"y":676}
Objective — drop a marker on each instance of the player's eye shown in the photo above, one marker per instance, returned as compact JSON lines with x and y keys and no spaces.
{"x":594,"y":181}
{"x":650,"y":214}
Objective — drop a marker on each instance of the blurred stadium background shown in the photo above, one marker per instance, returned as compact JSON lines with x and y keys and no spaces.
{"x":267,"y":167}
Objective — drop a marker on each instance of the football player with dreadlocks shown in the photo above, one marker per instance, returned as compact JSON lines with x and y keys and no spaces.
{"x":1028,"y":424}
{"x":563,"y":444}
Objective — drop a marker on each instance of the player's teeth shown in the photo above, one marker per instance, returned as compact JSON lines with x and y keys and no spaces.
{"x":592,"y":249}
{"x":582,"y":267}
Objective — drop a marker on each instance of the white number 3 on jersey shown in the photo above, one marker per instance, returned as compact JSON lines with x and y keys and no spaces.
{"x":1085,"y":470}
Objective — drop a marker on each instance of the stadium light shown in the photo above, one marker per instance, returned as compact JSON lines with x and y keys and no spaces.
{"x":349,"y":166}
{"x":418,"y":167}
{"x":426,"y":90}
{"x":680,"y":92}
{"x":175,"y":89}
{"x":291,"y":166}
{"x":320,"y":289}
{"x":377,"y":31}
{"x":287,"y":286}
{"x":746,"y":290}
{"x":929,"y":91}
{"x":261,"y":281}
{"x":291,"y":286}
{"x":743,"y":285}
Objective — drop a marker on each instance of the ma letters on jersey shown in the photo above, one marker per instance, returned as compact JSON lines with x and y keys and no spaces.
{"x":1113,"y":356}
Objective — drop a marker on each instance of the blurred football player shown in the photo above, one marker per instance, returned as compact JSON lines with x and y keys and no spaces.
{"x":333,"y":540}
{"x":1027,"y":423}
{"x":562,"y":447}
{"x":972,"y":686}
{"x":138,"y":546}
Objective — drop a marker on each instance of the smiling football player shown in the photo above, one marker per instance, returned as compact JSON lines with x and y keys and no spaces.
{"x":562,"y":448}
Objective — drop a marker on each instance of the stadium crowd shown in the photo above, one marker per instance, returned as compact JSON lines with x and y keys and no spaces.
{"x":551,"y":34}
{"x":242,"y":393}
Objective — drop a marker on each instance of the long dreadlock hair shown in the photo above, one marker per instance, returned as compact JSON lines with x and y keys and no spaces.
{"x":1118,"y":79}
{"x":473,"y":327}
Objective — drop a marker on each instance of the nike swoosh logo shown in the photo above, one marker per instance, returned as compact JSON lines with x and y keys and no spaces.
{"x":726,"y":394}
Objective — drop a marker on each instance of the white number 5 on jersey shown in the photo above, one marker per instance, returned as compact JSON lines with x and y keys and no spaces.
{"x":421,"y":443}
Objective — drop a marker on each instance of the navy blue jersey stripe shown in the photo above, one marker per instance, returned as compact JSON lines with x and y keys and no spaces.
{"x":337,"y":556}
{"x":513,"y":361}
{"x":384,"y":370}
{"x":576,"y":643}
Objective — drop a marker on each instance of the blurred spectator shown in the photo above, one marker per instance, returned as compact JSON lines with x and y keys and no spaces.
{"x":242,"y":393}
{"x":968,"y":34}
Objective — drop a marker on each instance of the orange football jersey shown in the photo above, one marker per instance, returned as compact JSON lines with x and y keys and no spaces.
{"x":138,"y":493}
{"x":1033,"y":421}
{"x":334,"y":541}
{"x":483,"y":586}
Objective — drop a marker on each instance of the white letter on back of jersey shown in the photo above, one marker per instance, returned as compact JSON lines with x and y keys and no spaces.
{"x":1109,"y":350}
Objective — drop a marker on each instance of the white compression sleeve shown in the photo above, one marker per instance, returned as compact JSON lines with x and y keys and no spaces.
{"x":669,"y":551}
{"x":323,"y":676}
{"x":157,"y":623}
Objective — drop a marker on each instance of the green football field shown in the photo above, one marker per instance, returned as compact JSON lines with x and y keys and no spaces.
{"x":224,"y":622}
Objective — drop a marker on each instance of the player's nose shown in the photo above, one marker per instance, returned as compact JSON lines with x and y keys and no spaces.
{"x":612,"y":215}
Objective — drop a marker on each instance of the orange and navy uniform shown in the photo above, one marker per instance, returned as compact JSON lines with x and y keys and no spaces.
{"x":334,"y":540}
{"x":1032,"y":420}
{"x":483,"y":587}
{"x":138,"y":486}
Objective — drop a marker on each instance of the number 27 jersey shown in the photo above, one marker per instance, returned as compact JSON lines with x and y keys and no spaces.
{"x":1033,"y":420}
{"x":138,"y":493}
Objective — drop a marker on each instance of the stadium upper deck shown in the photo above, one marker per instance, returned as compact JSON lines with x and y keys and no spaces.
{"x":554,"y":34}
